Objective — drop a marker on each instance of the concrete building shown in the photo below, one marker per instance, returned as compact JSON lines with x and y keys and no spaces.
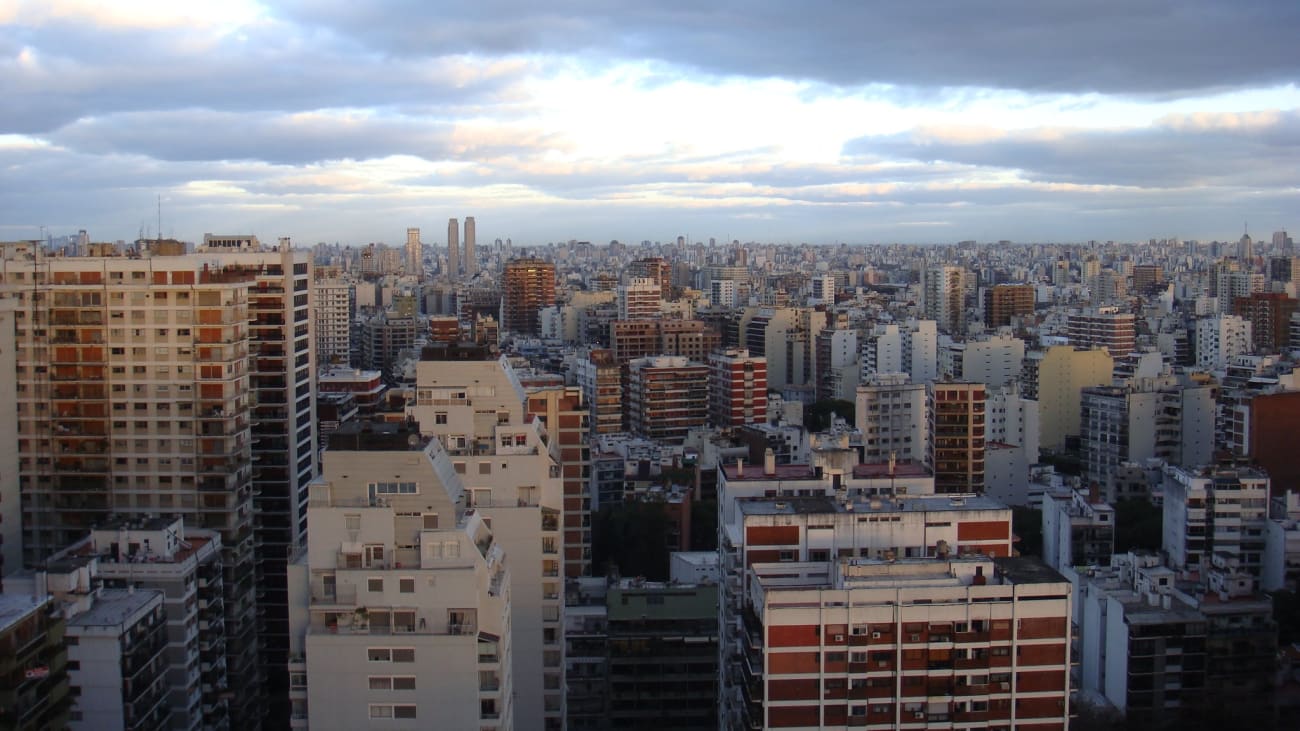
{"x":923,"y":643}
{"x":34,"y":668}
{"x":282,"y":381}
{"x":600,"y":378}
{"x":1269,"y":315}
{"x":334,"y":308}
{"x":414,"y":254}
{"x":1054,"y":378}
{"x":1004,"y":303}
{"x":133,"y":381}
{"x":911,"y":348}
{"x":667,"y":397}
{"x":117,"y":642}
{"x":471,"y":256}
{"x":943,"y":297}
{"x":1215,"y":512}
{"x":1103,"y":327}
{"x":160,"y":555}
{"x":11,"y":516}
{"x":782,"y":336}
{"x":1078,"y":529}
{"x":528,"y":286}
{"x":737,"y":388}
{"x":995,"y":360}
{"x":1221,"y":338}
{"x":639,"y":299}
{"x":956,"y":414}
{"x":453,"y":248}
{"x":891,"y":415}
{"x":837,"y":363}
{"x":402,"y":598}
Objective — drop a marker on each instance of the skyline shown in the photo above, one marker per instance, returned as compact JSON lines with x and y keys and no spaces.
{"x":342,"y":123}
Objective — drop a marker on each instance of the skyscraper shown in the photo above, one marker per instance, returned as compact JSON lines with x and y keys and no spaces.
{"x":453,"y":248}
{"x":414,"y":253}
{"x":943,"y":296}
{"x":471,"y":259}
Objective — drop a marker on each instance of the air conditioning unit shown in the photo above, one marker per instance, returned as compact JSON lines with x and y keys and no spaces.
{"x":839,"y":638}
{"x":875,"y":635}
{"x":919,"y":714}
{"x":1004,"y":686}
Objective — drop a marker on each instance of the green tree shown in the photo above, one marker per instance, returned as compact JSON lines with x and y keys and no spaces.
{"x":632,"y":537}
{"x":1027,"y":523}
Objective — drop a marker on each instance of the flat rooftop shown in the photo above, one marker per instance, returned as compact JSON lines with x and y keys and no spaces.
{"x":15,"y":607}
{"x":113,"y":607}
{"x":825,"y":504}
{"x":376,"y":436}
{"x":1022,"y":570}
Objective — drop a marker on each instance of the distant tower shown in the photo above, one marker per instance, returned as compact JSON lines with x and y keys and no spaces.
{"x":471,"y":261}
{"x":1246,"y":248}
{"x":414,"y":253}
{"x":453,"y":248}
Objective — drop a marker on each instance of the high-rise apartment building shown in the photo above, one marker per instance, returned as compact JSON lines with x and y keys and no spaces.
{"x":1104,"y":327}
{"x":1269,"y":315}
{"x":333,"y":310}
{"x":911,"y":348}
{"x":1148,"y":279}
{"x":1054,"y":378}
{"x":1217,"y":512}
{"x":655,"y":268}
{"x":282,"y":381}
{"x":11,"y":515}
{"x":667,"y":397}
{"x":414,"y":253}
{"x":737,"y":388}
{"x":1005,"y":302}
{"x":911,"y":643}
{"x":453,"y":248}
{"x":471,"y":256}
{"x":638,"y":299}
{"x":1221,"y":338}
{"x":943,"y":297}
{"x":528,"y":286}
{"x":402,"y":609}
{"x":890,"y":414}
{"x":956,"y":413}
{"x":134,"y":397}
{"x":600,"y":379}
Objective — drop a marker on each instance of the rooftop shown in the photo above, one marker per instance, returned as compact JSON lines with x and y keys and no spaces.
{"x":113,"y":607}
{"x":1021,"y":570}
{"x":868,"y":506}
{"x":376,"y":436}
{"x":16,"y":607}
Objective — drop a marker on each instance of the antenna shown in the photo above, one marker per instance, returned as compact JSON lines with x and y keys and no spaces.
{"x":160,"y":217}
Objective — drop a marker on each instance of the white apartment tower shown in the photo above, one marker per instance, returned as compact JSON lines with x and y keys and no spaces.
{"x":890,"y":413}
{"x":335,"y":305}
{"x":639,"y":299}
{"x":402,"y":599}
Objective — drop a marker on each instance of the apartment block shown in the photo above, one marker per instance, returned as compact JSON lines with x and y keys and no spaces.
{"x":639,"y":299}
{"x":527,"y":286}
{"x":667,"y":397}
{"x":1054,"y":378}
{"x":891,"y":414}
{"x":913,"y":643}
{"x":11,"y":515}
{"x":600,"y":378}
{"x":956,"y":419}
{"x":402,"y":598}
{"x":1103,"y":327}
{"x":1215,"y":512}
{"x":1003,"y":303}
{"x":161,"y":555}
{"x":334,"y":308}
{"x":1269,"y":315}
{"x":117,"y":641}
{"x":1221,"y":338}
{"x":737,"y":388}
{"x":134,"y":398}
{"x":943,"y":297}
{"x":33,"y":663}
{"x":1078,"y":529}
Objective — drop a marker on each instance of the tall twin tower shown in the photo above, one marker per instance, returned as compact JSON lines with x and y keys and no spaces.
{"x":454,"y":264}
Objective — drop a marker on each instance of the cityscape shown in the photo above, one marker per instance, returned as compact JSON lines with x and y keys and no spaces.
{"x":572,"y":367}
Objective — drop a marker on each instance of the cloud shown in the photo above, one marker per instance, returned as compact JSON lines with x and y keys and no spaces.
{"x":1260,"y":149}
{"x":1113,"y":46}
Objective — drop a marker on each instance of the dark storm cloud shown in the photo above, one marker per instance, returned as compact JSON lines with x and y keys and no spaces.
{"x":55,"y":74}
{"x":1254,"y":149}
{"x":1115,"y":46}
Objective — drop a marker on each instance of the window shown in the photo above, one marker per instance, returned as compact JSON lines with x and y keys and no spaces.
{"x":394,"y":488}
{"x":406,"y":711}
{"x":404,"y":654}
{"x":379,"y":654}
{"x":374,"y":584}
{"x":380,"y":711}
{"x":352,"y":522}
{"x":440,"y":417}
{"x":430,"y":521}
{"x":406,"y":585}
{"x":381,"y":682}
{"x":404,"y":682}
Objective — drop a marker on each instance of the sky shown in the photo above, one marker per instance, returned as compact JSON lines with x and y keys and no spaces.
{"x":758,"y":120}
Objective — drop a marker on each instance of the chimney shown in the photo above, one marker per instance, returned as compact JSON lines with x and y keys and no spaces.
{"x":740,"y":467}
{"x":769,"y":462}
{"x":980,"y":579}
